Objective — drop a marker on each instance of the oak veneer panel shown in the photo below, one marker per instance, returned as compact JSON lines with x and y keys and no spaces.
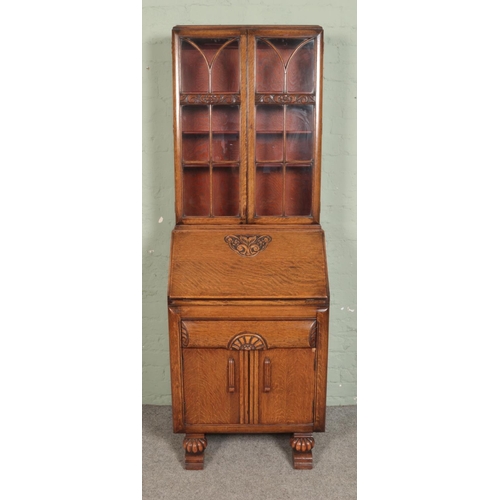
{"x":206,"y":388}
{"x":203,"y":265}
{"x":291,"y":388}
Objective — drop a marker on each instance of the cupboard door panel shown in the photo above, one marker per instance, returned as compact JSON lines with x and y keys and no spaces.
{"x":211,"y":386}
{"x":286,"y":386}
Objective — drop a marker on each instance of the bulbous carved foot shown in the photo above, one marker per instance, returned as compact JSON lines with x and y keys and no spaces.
{"x":195,"y":445}
{"x":302,"y":443}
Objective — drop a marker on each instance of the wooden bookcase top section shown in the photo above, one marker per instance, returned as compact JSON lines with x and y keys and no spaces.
{"x":247,"y":123}
{"x":248,"y":262}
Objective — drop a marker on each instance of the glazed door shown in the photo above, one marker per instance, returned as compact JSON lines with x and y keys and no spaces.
{"x":210,"y":126}
{"x":284,"y":126}
{"x":212,"y":389}
{"x":286,"y":386}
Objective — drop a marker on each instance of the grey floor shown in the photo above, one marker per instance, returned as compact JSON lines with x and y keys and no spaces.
{"x":250,"y":467}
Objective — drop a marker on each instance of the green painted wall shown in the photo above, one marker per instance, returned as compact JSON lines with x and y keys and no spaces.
{"x":338,"y":194}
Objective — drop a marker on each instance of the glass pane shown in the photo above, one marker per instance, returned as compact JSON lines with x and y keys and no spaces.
{"x":225,"y":147}
{"x":269,"y":133}
{"x":226,"y":190}
{"x":196,"y":190}
{"x":269,"y":190}
{"x":226,"y":69}
{"x":226,"y":118}
{"x":194,"y":68}
{"x":298,"y":190}
{"x":299,"y":137}
{"x":270,"y":72}
{"x":195,"y":119}
{"x":301,"y":69}
{"x":300,"y":118}
{"x":269,"y":147}
{"x":225,"y":133}
{"x":269,"y":118}
{"x":195,"y":147}
{"x":299,"y":147}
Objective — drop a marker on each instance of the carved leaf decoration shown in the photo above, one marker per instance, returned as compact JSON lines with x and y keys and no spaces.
{"x":248,"y":245}
{"x":302,"y":444}
{"x":285,"y":98}
{"x":210,"y":99}
{"x":247,"y":341}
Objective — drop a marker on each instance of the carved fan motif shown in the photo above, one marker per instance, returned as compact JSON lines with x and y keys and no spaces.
{"x":247,"y":245}
{"x":247,"y":341}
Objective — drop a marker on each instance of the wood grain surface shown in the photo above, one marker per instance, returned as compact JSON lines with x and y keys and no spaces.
{"x":204,"y":266}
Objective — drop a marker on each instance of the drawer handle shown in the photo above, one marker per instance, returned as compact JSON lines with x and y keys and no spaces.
{"x":267,"y":375}
{"x":230,"y":375}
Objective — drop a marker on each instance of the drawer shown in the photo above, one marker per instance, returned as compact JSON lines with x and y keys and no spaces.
{"x":249,"y":335}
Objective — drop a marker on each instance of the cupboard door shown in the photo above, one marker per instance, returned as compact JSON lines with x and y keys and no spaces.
{"x":286,"y":386}
{"x":211,"y":386}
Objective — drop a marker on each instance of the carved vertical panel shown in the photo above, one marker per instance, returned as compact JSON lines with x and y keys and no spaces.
{"x":230,"y":375}
{"x":184,"y":335}
{"x":313,"y":334}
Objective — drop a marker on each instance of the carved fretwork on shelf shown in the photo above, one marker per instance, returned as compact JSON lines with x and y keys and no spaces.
{"x":184,"y":335}
{"x":313,"y":334}
{"x":210,"y":99}
{"x":247,"y":245}
{"x":247,"y":341}
{"x":285,"y":99}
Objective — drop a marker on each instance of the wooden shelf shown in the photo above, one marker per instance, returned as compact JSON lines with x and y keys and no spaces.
{"x":216,"y":132}
{"x":286,"y":131}
{"x":216,"y":164}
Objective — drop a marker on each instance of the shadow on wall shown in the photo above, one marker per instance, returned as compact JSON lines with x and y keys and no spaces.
{"x":158,"y":215}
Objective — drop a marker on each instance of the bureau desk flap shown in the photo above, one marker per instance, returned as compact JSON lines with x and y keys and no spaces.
{"x":248,"y":262}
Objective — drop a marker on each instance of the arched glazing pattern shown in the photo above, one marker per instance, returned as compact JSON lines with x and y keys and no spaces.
{"x":210,"y":65}
{"x":285,"y":65}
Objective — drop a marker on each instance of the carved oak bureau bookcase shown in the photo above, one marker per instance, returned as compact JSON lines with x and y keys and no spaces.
{"x":248,"y":295}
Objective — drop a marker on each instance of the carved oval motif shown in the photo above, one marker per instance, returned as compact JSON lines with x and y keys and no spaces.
{"x":247,"y":341}
{"x":302,"y":444}
{"x":194,"y":445}
{"x":247,"y":245}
